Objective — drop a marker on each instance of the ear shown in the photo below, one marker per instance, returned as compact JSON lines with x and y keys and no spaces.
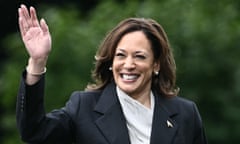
{"x":156,"y":67}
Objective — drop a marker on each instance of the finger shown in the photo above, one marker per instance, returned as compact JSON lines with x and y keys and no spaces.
{"x":34,"y":18}
{"x":22,"y":23}
{"x":22,"y":31}
{"x":25,"y":12}
{"x":22,"y":19}
{"x":26,"y":15}
{"x":44,"y":27}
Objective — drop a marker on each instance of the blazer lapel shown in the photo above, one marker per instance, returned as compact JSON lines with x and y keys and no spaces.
{"x":111,"y":122}
{"x":164,"y":127}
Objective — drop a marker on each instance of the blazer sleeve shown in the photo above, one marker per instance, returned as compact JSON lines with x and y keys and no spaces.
{"x":34,"y":125}
{"x":200,"y":137}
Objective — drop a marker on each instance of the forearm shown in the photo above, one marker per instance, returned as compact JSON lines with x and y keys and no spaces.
{"x":29,"y":100}
{"x":35,"y":126}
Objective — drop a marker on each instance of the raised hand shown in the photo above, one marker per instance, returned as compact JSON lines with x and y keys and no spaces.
{"x":37,"y":40}
{"x":35,"y":33}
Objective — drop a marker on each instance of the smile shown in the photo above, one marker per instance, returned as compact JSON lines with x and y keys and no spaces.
{"x":129,"y":76}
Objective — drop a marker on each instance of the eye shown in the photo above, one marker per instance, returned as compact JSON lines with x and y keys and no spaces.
{"x":140,"y":57}
{"x":119,"y":54}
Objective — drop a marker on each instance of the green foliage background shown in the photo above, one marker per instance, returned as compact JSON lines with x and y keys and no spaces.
{"x":203,"y":34}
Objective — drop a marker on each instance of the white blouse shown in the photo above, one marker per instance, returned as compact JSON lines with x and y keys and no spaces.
{"x":138,"y":117}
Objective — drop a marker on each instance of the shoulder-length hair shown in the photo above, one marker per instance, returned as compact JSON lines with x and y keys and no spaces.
{"x":164,"y":82}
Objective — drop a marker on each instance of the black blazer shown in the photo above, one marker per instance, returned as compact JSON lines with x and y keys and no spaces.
{"x":97,"y":118}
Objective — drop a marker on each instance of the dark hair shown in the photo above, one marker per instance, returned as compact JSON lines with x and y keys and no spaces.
{"x":164,"y":82}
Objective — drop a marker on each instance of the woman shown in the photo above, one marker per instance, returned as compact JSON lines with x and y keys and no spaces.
{"x":134,"y":99}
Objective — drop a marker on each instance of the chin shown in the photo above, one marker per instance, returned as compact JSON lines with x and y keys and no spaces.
{"x":127,"y":90}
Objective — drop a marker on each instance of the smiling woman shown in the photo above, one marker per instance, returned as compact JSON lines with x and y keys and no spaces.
{"x":164,"y":83}
{"x":133,"y":100}
{"x":133,"y":66}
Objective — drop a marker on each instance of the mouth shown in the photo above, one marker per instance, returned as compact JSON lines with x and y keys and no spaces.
{"x":129,"y":77}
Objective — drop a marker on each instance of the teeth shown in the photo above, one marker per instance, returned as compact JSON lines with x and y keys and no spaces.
{"x":129,"y":77}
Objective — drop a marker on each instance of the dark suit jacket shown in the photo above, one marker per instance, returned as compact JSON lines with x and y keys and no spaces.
{"x":97,"y":118}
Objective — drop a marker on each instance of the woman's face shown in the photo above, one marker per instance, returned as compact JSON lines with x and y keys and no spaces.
{"x":133,"y":64}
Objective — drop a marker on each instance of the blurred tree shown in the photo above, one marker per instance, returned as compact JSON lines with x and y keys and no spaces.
{"x":204,"y":37}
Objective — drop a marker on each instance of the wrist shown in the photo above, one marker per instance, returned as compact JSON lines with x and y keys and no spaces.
{"x":36,"y":67}
{"x":36,"y":72}
{"x":39,"y":62}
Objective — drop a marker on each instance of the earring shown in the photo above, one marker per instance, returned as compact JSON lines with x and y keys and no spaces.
{"x":156,"y":73}
{"x":110,"y":68}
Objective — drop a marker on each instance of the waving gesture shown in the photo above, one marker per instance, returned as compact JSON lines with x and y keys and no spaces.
{"x":37,"y":40}
{"x":35,"y":34}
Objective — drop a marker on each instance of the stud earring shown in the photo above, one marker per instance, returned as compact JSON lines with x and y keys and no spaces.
{"x":110,"y":68}
{"x":156,"y":73}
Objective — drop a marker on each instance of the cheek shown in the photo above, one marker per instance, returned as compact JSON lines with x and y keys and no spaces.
{"x":115,"y":69}
{"x":148,"y":70}
{"x":116,"y":65}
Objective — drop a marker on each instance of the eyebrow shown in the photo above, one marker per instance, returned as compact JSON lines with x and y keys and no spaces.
{"x":136,"y":52}
{"x":120,"y":49}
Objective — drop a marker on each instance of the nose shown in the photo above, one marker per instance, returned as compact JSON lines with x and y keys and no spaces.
{"x":129,"y":63}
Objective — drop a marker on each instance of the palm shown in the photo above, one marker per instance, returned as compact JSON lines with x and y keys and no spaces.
{"x":37,"y":43}
{"x":35,"y":34}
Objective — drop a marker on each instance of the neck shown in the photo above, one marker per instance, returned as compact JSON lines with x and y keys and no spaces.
{"x":143,"y":98}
